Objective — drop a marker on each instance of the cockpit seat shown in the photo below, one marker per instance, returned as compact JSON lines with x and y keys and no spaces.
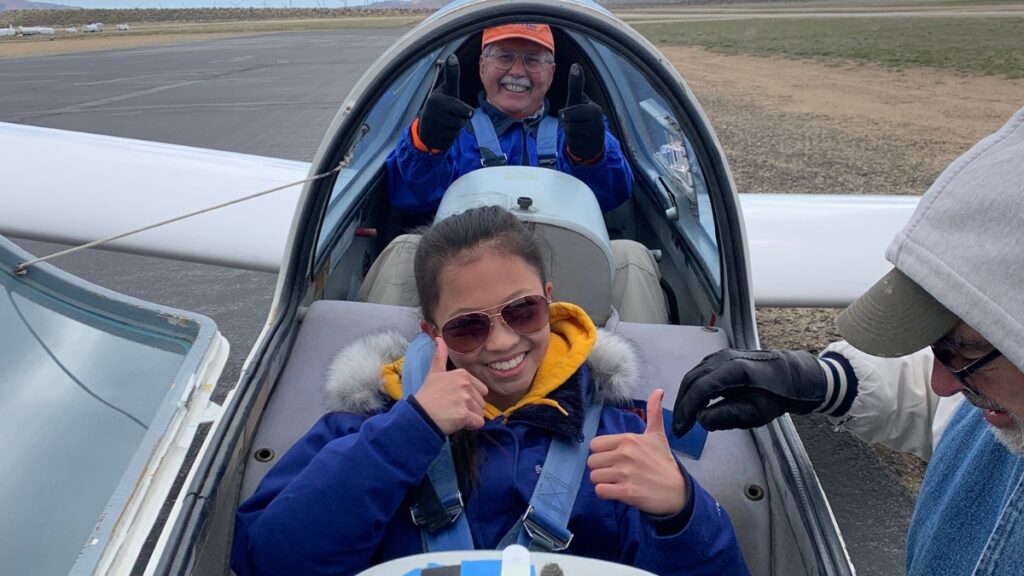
{"x":565,"y":215}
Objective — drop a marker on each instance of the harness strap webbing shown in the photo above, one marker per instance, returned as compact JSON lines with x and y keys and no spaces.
{"x":545,"y":525}
{"x":438,"y":505}
{"x":490,"y":147}
{"x":547,"y":142}
{"x":439,"y":508}
{"x":487,"y":140}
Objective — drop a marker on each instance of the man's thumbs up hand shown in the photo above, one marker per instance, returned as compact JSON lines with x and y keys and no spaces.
{"x":639,"y":469}
{"x":582,"y":120}
{"x":450,"y":87}
{"x":444,"y":115}
{"x":574,"y":93}
{"x":454,"y":399}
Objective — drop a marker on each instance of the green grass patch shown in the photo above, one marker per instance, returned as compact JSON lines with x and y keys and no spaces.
{"x":977,"y":45}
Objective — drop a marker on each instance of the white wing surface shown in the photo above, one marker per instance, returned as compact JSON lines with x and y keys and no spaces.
{"x":71,"y":187}
{"x":819,"y":250}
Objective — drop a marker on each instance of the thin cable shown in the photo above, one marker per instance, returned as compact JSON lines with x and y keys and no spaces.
{"x":67,"y":371}
{"x":20,"y":268}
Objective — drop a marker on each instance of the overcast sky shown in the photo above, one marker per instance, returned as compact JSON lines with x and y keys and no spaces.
{"x":210,"y":3}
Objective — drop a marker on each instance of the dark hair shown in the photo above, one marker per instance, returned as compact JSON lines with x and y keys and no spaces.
{"x":490,"y":226}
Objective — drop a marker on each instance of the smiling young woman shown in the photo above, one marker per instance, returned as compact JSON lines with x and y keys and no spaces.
{"x":513,"y":381}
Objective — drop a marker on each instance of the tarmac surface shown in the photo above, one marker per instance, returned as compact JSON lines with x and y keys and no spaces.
{"x":274,"y":95}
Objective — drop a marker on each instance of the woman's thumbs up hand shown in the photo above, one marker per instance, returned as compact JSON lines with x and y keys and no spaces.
{"x":454,"y":399}
{"x":639,"y":469}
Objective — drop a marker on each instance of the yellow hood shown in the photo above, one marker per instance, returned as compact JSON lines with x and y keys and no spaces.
{"x":572,"y":338}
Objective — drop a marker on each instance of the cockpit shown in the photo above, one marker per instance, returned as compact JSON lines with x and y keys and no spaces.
{"x":670,"y":215}
{"x":683,"y":212}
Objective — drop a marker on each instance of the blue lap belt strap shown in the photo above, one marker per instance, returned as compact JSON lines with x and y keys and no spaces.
{"x":544,"y":526}
{"x":490,"y":148}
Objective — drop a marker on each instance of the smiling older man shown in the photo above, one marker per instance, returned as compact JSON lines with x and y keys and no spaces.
{"x":511,"y":125}
{"x":950,"y":314}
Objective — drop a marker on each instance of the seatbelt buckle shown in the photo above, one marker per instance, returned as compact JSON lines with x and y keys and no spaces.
{"x":551,"y":540}
{"x":436,"y":522}
{"x":490,"y":159}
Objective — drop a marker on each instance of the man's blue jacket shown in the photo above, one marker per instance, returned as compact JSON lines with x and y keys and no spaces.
{"x":417,"y":180}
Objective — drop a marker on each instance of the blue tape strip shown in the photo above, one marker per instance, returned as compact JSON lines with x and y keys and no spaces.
{"x":692,"y":443}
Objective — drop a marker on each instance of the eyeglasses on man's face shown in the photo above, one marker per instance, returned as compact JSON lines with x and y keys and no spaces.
{"x":945,"y":353}
{"x":533,"y":62}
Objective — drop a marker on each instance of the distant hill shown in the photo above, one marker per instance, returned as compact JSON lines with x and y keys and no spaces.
{"x":26,"y":5}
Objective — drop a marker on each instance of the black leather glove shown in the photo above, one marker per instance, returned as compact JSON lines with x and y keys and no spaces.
{"x":756,"y":386}
{"x":582,"y":120}
{"x":444,"y":115}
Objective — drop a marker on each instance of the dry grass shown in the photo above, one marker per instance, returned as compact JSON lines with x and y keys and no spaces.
{"x":971,"y":44}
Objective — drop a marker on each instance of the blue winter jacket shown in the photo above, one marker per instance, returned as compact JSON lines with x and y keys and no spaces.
{"x":417,"y":180}
{"x":969,"y":518}
{"x":338,"y":501}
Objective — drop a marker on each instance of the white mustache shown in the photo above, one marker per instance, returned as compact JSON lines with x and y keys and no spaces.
{"x":517,"y":81}
{"x":981,"y":401}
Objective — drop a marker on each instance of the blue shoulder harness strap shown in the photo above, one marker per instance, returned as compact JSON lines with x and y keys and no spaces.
{"x":487,"y":140}
{"x":490,"y":148}
{"x":544,"y":526}
{"x":547,"y":142}
{"x":437,"y":507}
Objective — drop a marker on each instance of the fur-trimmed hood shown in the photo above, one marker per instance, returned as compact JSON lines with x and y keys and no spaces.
{"x":353,"y":380}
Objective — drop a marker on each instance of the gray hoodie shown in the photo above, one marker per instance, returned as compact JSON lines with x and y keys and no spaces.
{"x":965,"y":242}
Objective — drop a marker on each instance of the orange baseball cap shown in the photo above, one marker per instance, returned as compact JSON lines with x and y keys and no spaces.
{"x":538,"y":33}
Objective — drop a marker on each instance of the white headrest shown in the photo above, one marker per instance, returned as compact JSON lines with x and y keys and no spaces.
{"x":566,"y":215}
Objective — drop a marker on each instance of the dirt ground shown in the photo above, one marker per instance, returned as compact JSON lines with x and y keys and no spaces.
{"x":802,"y":126}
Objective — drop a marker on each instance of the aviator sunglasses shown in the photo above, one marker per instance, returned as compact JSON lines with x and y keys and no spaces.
{"x":467,"y":332}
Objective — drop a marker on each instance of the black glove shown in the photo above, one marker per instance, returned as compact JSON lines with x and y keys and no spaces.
{"x":444,"y":115}
{"x":756,"y":386}
{"x":582,"y":120}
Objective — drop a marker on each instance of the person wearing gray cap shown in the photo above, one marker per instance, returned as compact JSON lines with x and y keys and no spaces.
{"x":944,"y":326}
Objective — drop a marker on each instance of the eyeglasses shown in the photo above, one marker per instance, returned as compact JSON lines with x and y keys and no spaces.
{"x":468,"y":332}
{"x":533,"y":63}
{"x":944,"y":355}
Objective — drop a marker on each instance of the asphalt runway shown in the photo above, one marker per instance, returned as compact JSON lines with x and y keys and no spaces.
{"x":275,"y":95}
